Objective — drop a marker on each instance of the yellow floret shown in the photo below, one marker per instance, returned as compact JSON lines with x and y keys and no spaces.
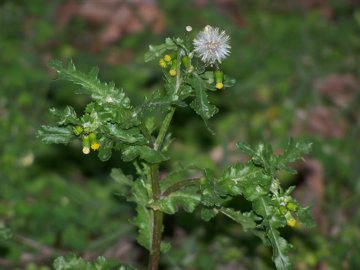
{"x":86,"y":150}
{"x":219,"y":85}
{"x":291,"y":222}
{"x":95,"y":146}
{"x":162,"y":63}
{"x":167,"y":58}
{"x":172,"y":72}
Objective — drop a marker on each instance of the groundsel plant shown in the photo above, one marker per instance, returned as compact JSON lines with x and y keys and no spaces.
{"x":110,"y":123}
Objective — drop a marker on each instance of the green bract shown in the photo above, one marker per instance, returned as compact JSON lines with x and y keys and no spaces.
{"x":111,"y":123}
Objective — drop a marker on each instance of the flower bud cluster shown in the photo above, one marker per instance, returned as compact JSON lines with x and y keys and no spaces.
{"x":89,"y":140}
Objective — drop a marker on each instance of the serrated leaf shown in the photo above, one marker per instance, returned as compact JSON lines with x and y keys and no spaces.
{"x":211,"y":193}
{"x":75,"y":263}
{"x":246,"y":149}
{"x":247,"y":220}
{"x":103,"y":93}
{"x":155,"y":102}
{"x":124,"y":182}
{"x":187,"y":198}
{"x":156,"y":51}
{"x":66,"y":116}
{"x":280,"y":249}
{"x":72,"y":262}
{"x":294,"y":151}
{"x":201,"y":104}
{"x":144,"y":217}
{"x":131,"y":136}
{"x":105,"y":150}
{"x":247,"y":180}
{"x":50,"y":134}
{"x":143,"y":222}
{"x":208,"y":213}
{"x":145,"y":152}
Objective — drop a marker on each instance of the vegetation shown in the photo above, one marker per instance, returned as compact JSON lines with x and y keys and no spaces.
{"x":295,"y":78}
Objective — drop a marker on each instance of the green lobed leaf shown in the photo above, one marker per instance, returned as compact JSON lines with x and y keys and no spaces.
{"x":156,"y":51}
{"x":50,"y":134}
{"x":247,"y":220}
{"x":105,"y":149}
{"x":66,"y":116}
{"x":102,"y":93}
{"x":247,"y":180}
{"x":208,"y":213}
{"x":144,"y":152}
{"x":293,"y":152}
{"x":280,"y":249}
{"x":76,"y":263}
{"x":264,"y":207}
{"x":144,"y":217}
{"x":211,"y":194}
{"x":131,"y":136}
{"x":143,"y":222}
{"x":201,"y":104}
{"x":124,"y":182}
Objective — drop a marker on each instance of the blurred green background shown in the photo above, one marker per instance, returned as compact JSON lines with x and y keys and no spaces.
{"x":298,"y":75}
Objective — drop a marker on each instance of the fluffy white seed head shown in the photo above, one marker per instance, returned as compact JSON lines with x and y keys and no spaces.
{"x":212,"y":45}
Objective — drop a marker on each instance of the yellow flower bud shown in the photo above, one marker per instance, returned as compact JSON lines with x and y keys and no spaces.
{"x":167,"y":58}
{"x":219,"y":85}
{"x":291,"y":222}
{"x":93,"y":141}
{"x":219,"y":76}
{"x":172,"y":72}
{"x":162,"y":63}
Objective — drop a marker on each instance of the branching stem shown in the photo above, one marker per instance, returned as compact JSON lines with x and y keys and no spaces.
{"x":180,"y":185}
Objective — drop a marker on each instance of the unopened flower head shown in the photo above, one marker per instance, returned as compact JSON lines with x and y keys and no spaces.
{"x":212,"y":45}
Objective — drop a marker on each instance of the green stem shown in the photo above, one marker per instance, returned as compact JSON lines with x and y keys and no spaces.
{"x":157,"y":227}
{"x":157,"y":221}
{"x":164,"y":127}
{"x":180,"y":185}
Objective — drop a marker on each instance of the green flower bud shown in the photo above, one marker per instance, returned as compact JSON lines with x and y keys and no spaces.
{"x":93,"y":141}
{"x":219,"y":77}
{"x":187,"y":63}
{"x":78,"y":130}
{"x":282,"y":209}
{"x":173,"y":68}
{"x":291,"y":206}
{"x":86,"y":145}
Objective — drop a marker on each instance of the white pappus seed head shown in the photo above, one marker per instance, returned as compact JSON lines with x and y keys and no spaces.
{"x":212,"y":45}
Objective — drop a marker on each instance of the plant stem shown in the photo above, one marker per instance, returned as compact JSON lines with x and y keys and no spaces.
{"x":155,"y":186}
{"x":180,"y":185}
{"x":157,"y":228}
{"x":157,"y":221}
{"x":164,"y":128}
